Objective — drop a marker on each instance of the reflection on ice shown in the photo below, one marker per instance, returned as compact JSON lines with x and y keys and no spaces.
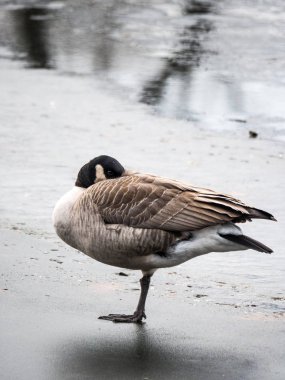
{"x":190,"y":59}
{"x":31,"y":34}
{"x":180,"y":65}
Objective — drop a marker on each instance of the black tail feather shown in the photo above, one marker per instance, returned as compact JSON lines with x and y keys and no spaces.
{"x":260,"y":214}
{"x":247,"y":242}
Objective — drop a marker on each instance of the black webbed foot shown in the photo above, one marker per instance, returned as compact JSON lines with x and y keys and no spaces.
{"x":139,"y":314}
{"x":137,"y":317}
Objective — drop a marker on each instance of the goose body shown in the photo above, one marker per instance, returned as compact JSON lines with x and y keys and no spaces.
{"x":145,"y":222}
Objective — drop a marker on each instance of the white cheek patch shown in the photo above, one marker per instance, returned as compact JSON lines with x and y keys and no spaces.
{"x":100,"y":176}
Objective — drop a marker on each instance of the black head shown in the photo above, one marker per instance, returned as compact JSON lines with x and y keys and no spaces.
{"x":98,"y":169}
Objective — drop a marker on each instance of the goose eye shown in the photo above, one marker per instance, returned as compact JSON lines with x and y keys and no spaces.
{"x":110,"y":173}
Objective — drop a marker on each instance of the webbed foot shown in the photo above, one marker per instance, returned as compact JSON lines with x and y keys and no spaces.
{"x":137,"y":317}
{"x":139,"y":314}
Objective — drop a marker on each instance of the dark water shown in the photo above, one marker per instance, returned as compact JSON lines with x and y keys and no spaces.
{"x":219,"y":64}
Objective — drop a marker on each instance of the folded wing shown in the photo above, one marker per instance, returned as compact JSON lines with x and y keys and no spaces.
{"x":148,"y":201}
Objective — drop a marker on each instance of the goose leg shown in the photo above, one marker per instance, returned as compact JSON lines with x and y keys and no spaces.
{"x":139,"y":314}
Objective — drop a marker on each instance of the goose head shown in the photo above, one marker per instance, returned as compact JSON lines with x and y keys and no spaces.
{"x":98,"y":169}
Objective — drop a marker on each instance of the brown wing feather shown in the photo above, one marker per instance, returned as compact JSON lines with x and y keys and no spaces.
{"x":148,"y":201}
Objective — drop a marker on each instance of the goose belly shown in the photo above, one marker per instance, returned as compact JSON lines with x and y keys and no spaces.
{"x":78,"y":223}
{"x":127,"y":247}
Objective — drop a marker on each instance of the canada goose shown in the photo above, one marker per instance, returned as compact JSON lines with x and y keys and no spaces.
{"x":145,"y":222}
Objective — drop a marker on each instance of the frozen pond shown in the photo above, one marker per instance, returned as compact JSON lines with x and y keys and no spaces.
{"x":219,"y":64}
{"x":152,"y":83}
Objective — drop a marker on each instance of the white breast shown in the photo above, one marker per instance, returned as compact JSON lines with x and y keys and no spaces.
{"x":63,"y":206}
